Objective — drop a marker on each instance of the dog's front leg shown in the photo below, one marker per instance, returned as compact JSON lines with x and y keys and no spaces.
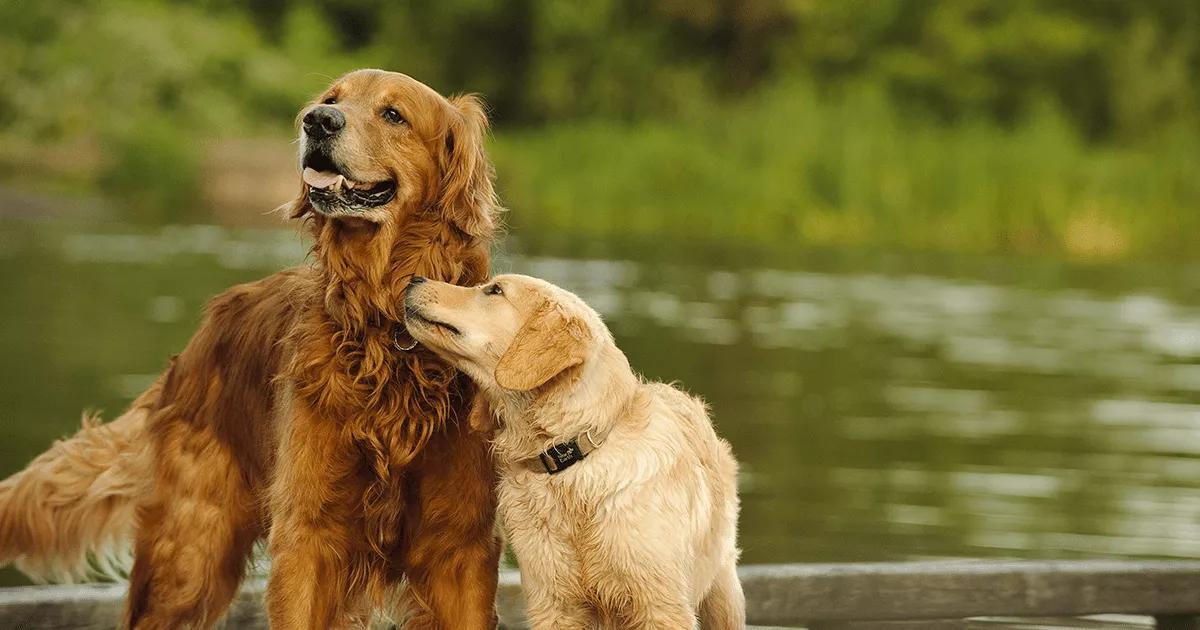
{"x":452,"y":556}
{"x":547,"y":610}
{"x":645,"y":614}
{"x":310,"y":544}
{"x":551,"y":574}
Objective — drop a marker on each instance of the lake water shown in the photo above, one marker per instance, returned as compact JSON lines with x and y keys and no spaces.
{"x":883,"y":406}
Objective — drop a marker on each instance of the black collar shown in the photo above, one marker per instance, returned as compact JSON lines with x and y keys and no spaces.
{"x":563,"y":455}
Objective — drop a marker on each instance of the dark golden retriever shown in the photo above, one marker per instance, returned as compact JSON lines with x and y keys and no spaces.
{"x":293,"y":413}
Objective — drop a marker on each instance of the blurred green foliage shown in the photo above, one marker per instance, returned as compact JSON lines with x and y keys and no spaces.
{"x":845,"y":114}
{"x":156,"y":173}
{"x":795,"y":164}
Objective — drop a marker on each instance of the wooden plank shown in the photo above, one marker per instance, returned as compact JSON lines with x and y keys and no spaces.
{"x":1092,"y":622}
{"x":510,"y":603}
{"x":927,"y":624}
{"x":1177,"y":622}
{"x":1102,"y":622}
{"x":787,"y":595}
{"x":100,"y":607}
{"x":790,"y":594}
{"x":88,"y":607}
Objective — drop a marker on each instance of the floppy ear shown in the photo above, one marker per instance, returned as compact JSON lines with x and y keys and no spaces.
{"x":481,"y":418}
{"x":549,"y":342}
{"x":468,"y":197}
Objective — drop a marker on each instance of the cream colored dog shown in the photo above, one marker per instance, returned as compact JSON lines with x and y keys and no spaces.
{"x":618,"y":497}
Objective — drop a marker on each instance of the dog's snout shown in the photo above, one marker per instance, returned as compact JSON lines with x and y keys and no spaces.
{"x":410,"y":291}
{"x":323,"y":122}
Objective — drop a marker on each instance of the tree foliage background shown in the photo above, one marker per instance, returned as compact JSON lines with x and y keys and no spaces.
{"x":141,"y":78}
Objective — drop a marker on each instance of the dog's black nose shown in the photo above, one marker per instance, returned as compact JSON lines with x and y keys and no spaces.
{"x":322,"y":122}
{"x":417,"y":280}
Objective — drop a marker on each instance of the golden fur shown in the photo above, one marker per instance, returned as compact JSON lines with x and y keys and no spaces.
{"x":291,"y":414}
{"x":642,"y":533}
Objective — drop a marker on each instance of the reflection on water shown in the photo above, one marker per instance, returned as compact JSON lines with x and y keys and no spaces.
{"x":883,"y":407}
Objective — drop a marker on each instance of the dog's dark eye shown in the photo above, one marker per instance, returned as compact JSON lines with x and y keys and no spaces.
{"x":332,"y":100}
{"x":493,"y":289}
{"x":392,"y":115}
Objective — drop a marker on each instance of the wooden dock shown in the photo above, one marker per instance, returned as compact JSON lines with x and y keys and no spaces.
{"x":943,"y":595}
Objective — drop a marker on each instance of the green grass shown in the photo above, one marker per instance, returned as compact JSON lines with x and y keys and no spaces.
{"x":790,"y":166}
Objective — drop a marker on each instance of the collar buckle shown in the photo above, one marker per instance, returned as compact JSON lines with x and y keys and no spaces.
{"x":562,"y":456}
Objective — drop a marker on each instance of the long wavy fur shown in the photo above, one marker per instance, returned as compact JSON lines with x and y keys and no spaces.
{"x":346,"y":364}
{"x":69,"y":515}
{"x":325,"y":336}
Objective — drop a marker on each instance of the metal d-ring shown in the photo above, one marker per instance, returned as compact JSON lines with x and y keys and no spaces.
{"x":396,"y":340}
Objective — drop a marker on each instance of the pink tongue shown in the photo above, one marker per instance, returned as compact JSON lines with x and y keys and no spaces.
{"x":320,"y":179}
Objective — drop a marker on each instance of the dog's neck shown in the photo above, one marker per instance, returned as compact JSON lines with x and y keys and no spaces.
{"x":345,"y":366}
{"x":592,"y":397}
{"x":367,"y":266}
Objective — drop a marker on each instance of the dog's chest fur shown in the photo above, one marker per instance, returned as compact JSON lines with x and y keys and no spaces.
{"x":640,"y":485}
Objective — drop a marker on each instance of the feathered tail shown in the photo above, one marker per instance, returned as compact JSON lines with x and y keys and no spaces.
{"x":69,"y":515}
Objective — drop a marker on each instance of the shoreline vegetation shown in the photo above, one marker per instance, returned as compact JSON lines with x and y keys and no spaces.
{"x":981,"y":126}
{"x":787,"y":167}
{"x":790,"y":167}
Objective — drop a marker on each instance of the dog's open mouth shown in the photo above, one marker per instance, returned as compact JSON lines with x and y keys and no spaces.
{"x":412,"y":315}
{"x":333,"y":193}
